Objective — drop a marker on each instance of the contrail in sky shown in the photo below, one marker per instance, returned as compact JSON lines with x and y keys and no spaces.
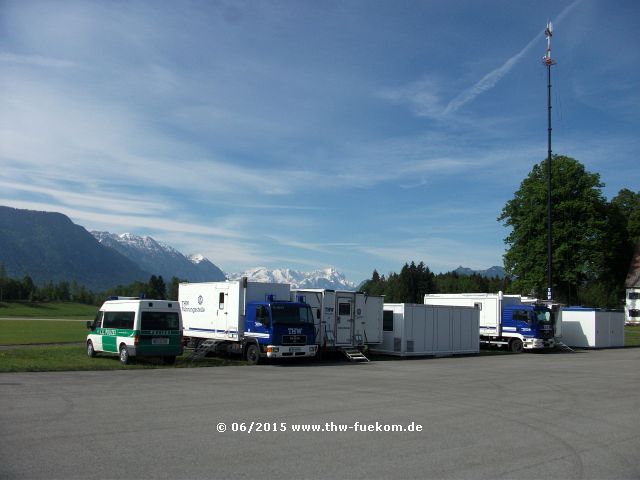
{"x":490,"y":79}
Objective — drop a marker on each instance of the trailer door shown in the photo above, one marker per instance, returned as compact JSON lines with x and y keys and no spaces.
{"x":344,"y":320}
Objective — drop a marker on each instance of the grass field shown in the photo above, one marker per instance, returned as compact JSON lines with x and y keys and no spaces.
{"x":632,"y":336}
{"x":48,"y":310}
{"x":21,"y":332}
{"x":74,"y":357}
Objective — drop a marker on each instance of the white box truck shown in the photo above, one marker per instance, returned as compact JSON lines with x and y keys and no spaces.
{"x":343,"y":319}
{"x":592,"y":328}
{"x":429,"y":330}
{"x":505,"y":320}
{"x":255,"y":319}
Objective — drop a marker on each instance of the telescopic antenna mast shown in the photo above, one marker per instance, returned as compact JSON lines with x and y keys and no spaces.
{"x":548,"y":61}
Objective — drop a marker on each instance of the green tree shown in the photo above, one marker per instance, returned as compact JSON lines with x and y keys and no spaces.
{"x":3,"y":281}
{"x":173,"y":288}
{"x":628,"y":204}
{"x":157,"y":288}
{"x":581,"y":218}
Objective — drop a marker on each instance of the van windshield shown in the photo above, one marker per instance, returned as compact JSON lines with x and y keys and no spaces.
{"x":291,"y":314}
{"x":160,"y":321}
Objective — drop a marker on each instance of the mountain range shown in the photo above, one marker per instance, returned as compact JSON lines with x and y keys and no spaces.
{"x":326,"y":278}
{"x":160,"y":258}
{"x":48,"y":246}
{"x":491,"y":272}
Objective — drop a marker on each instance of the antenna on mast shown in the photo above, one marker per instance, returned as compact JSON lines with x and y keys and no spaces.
{"x":548,"y":61}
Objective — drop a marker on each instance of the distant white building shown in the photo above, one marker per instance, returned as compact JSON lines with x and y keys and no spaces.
{"x":632,"y":284}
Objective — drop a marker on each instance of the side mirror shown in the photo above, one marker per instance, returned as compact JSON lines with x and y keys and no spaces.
{"x":90,"y":325}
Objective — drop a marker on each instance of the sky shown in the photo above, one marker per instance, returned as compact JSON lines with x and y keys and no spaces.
{"x":302,"y":134}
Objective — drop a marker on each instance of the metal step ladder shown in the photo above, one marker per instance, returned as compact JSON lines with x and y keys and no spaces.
{"x":354,"y":355}
{"x":207,"y":346}
{"x":564,"y":347}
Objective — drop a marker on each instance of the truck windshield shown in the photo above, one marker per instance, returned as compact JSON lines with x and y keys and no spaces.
{"x":543,"y":316}
{"x":160,"y":321}
{"x":291,"y":314}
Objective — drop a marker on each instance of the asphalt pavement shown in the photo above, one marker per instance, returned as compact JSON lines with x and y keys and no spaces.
{"x":522,"y":416}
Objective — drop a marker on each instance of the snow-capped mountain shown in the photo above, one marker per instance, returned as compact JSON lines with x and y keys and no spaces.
{"x":326,"y":278}
{"x":158,"y":258}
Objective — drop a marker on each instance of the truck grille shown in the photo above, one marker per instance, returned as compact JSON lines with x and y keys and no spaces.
{"x":294,"y":340}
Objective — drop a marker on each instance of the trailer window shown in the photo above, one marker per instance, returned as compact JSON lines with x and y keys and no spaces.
{"x":344,"y":309}
{"x":122,"y":320}
{"x":160,"y":321}
{"x":387,"y":321}
{"x":291,"y":314}
{"x":221,"y":301}
{"x":634,"y":295}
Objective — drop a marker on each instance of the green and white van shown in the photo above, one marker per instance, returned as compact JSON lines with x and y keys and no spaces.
{"x":133,"y":327}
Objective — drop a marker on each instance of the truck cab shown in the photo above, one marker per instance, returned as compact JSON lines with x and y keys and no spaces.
{"x":280,"y":329}
{"x":532,"y":323}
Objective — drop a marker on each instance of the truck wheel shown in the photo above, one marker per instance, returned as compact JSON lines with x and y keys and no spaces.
{"x":90,"y":350}
{"x":125,"y":359}
{"x":253,"y":354}
{"x":515,"y":345}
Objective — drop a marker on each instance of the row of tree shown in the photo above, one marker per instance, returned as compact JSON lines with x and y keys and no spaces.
{"x":414,"y":281}
{"x":25,"y":290}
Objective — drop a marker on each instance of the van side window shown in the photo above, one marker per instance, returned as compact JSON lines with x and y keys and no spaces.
{"x":97,"y":322}
{"x":221,"y":301}
{"x":122,"y":320}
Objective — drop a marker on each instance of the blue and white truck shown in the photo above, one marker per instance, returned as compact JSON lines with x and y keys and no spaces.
{"x":506,"y":320}
{"x":257,"y":320}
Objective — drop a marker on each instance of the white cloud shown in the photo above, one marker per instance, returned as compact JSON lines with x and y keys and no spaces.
{"x":34,"y":60}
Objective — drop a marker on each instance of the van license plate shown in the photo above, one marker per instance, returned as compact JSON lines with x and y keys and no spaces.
{"x":160,"y":341}
{"x":294,"y":349}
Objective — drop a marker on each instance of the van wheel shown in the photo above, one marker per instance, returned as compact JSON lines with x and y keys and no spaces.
{"x":515,"y":345}
{"x":125,"y":359}
{"x":90,"y":350}
{"x":170,"y":360}
{"x":252,"y":354}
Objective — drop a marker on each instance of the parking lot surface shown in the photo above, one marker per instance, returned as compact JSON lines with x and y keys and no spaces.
{"x":506,"y":416}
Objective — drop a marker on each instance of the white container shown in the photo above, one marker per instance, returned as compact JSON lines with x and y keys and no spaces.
{"x":343,"y":319}
{"x":591,"y":328}
{"x":414,"y":330}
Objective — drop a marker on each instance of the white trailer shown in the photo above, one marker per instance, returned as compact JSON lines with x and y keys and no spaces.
{"x":429,"y":330}
{"x":591,"y":328}
{"x":343,"y":319}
